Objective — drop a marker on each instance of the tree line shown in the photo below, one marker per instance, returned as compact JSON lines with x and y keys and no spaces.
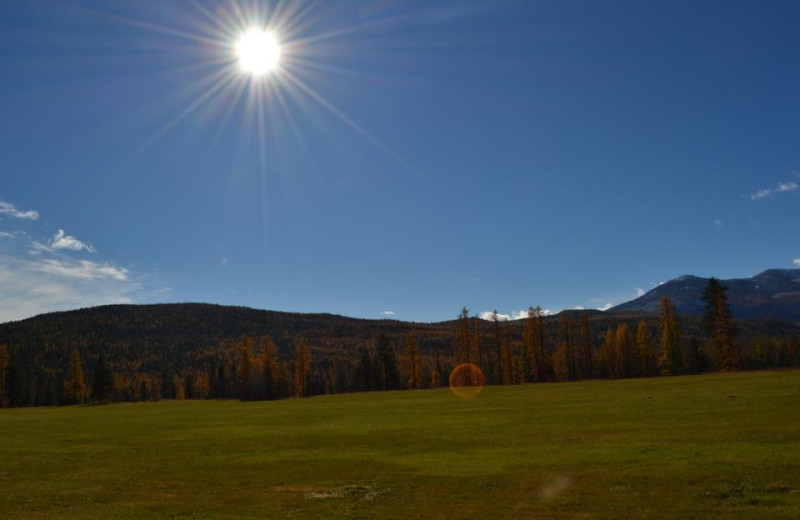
{"x":542,"y":350}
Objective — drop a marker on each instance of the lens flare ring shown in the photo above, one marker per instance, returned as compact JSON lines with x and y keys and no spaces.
{"x":467,"y":380}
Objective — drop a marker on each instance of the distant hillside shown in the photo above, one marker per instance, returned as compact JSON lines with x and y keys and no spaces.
{"x":196,"y":350}
{"x":775,"y":293}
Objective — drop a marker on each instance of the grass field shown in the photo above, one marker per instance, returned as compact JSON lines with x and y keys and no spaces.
{"x":714,"y":446}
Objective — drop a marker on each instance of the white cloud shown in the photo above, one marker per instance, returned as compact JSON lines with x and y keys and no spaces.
{"x":7,"y":208}
{"x":579,"y":308}
{"x":783,"y":187}
{"x":224,"y":262}
{"x":63,"y":241}
{"x":49,"y":280}
{"x":387,"y":313}
{"x":605,"y":307}
{"x":639,"y":292}
{"x":796,"y":262}
{"x":4,"y":234}
{"x":718,"y":223}
{"x":514,"y":315}
{"x":81,"y":269}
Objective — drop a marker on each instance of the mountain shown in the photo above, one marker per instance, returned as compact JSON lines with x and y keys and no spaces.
{"x":775,"y":293}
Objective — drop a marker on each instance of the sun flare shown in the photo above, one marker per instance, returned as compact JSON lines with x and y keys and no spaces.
{"x":259,"y":51}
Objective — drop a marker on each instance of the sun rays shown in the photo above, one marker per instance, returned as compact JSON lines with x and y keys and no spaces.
{"x":259,"y":59}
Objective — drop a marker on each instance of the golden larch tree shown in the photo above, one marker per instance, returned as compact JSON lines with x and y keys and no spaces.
{"x":75,"y":391}
{"x":670,"y":360}
{"x":302,"y":367}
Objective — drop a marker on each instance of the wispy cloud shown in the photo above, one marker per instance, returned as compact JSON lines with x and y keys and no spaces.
{"x":639,"y":292}
{"x":605,"y":307}
{"x":5,"y":234}
{"x":80,"y":269}
{"x":718,"y":224}
{"x":224,"y":262}
{"x":63,"y":241}
{"x":796,"y":262}
{"x":783,"y":187}
{"x":387,"y":313}
{"x":6,"y":208}
{"x":36,"y":278}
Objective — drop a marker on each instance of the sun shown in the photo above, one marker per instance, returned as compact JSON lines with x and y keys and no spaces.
{"x":259,"y":51}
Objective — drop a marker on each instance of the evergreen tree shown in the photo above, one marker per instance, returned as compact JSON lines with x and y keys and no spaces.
{"x":387,"y":364}
{"x":243,"y":373}
{"x":144,"y":395}
{"x":670,"y":361}
{"x":719,"y":322}
{"x":74,"y":382}
{"x":507,"y":369}
{"x":587,"y":354}
{"x":463,"y":342}
{"x":710,"y":294}
{"x":476,"y":347}
{"x":498,"y":347}
{"x":568,"y":344}
{"x":534,"y":340}
{"x":413,"y":362}
{"x":697,"y":361}
{"x":101,"y":382}
{"x":5,"y":398}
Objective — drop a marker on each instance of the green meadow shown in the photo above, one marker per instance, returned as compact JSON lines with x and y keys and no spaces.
{"x":714,"y":446}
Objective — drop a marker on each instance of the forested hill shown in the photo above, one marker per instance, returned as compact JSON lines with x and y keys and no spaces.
{"x":193,"y":325}
{"x":201,"y":350}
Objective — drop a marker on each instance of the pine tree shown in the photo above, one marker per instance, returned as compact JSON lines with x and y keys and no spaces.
{"x":719,"y":322}
{"x":710,"y":294}
{"x":244,"y":370}
{"x":507,"y":368}
{"x":568,"y":344}
{"x":5,"y":397}
{"x":463,"y":342}
{"x":101,"y":382}
{"x":476,"y":347}
{"x":413,"y":362}
{"x":388,"y":374}
{"x":74,"y":383}
{"x":534,"y":339}
{"x":587,"y":355}
{"x":498,"y":347}
{"x":670,"y":361}
{"x":696,"y":359}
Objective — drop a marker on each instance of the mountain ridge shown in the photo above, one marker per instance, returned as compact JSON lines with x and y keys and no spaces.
{"x":773,"y":293}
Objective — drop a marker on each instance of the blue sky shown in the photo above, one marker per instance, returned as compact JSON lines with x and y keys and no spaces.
{"x":407,"y":157}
